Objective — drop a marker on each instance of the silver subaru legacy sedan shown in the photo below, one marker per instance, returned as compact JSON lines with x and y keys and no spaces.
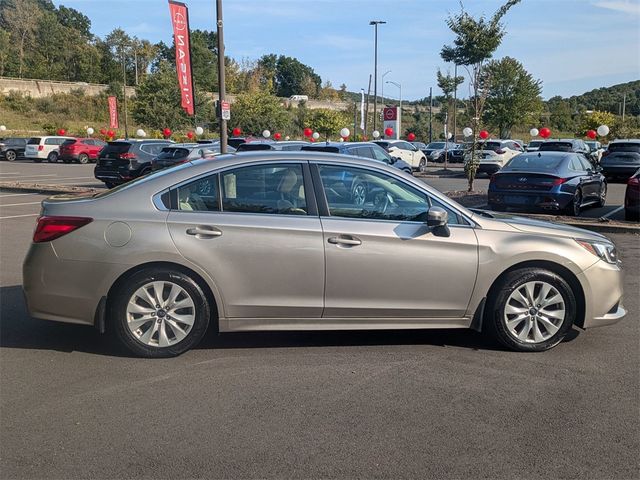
{"x":308,"y":241}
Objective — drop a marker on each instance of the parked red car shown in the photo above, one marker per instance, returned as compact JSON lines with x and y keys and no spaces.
{"x":632,"y":198}
{"x":81,"y":150}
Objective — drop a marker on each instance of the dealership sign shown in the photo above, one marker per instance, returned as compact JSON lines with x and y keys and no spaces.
{"x":180,"y":22}
{"x":391,"y":118}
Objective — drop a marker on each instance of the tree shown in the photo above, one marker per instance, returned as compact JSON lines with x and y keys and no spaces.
{"x":157,"y":102}
{"x":448,"y":84}
{"x":258,"y":111}
{"x":5,"y":44}
{"x":513,"y":95}
{"x":561,"y":114}
{"x":475,"y":42}
{"x":328,"y":122}
{"x":20,"y":18}
{"x":72,"y":18}
{"x":327,"y":92}
{"x":591,"y":121}
{"x":295,"y":78}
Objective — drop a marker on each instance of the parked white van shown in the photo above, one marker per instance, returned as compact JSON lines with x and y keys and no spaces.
{"x":41,"y":148}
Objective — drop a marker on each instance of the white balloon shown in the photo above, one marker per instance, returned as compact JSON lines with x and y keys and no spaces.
{"x":266,"y":134}
{"x":467,"y":132}
{"x":287,"y":138}
{"x":2,"y":128}
{"x":341,"y":139}
{"x":90,"y":131}
{"x":449,"y":135}
{"x":603,"y":130}
{"x":534,"y":132}
{"x":344,"y":132}
{"x":141,"y":133}
{"x":376,"y":134}
{"x":199,"y":130}
{"x":315,"y":135}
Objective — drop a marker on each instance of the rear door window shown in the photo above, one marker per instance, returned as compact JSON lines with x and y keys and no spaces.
{"x":152,"y":148}
{"x":114,"y":149}
{"x":200,"y":195}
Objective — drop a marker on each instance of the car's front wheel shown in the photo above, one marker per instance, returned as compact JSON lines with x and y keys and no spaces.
{"x":160,"y":313}
{"x":11,"y":155}
{"x":531,"y":310}
{"x":602,"y":197}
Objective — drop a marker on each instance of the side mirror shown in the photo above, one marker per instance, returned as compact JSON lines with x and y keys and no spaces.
{"x":437,"y":218}
{"x":393,"y":160}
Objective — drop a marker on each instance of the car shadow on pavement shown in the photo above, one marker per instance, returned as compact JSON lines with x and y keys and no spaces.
{"x":19,"y":330}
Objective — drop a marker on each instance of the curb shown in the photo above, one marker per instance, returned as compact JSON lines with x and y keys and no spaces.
{"x":43,"y":188}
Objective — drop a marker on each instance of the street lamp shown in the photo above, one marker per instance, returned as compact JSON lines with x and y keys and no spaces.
{"x":375,"y":24}
{"x":382,"y":93}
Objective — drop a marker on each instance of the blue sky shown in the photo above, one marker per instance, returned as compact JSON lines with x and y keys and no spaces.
{"x":571,"y":45}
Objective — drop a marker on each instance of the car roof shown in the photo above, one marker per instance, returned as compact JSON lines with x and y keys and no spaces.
{"x":627,"y":140}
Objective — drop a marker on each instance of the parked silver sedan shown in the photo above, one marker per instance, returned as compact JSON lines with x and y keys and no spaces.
{"x":308,"y":241}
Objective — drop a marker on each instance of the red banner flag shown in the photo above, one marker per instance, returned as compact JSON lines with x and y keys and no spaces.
{"x":180,"y":21}
{"x":113,"y":112}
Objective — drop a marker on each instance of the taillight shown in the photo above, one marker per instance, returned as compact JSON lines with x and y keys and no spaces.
{"x":50,"y":228}
{"x":634,"y":182}
{"x":492,"y":178}
{"x":40,"y":148}
{"x":127,"y":156}
{"x":500,"y":151}
{"x":559,"y":181}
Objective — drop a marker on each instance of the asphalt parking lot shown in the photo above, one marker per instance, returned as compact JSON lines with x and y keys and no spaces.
{"x":430,"y":404}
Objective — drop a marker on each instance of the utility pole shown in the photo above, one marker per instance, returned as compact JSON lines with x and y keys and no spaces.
{"x":455,"y":100}
{"x":124,"y":95}
{"x":366,"y":109}
{"x":221,"y":79}
{"x":135,"y":59}
{"x":375,"y":24}
{"x":430,"y":114}
{"x":355,"y":120}
{"x":624,"y":106}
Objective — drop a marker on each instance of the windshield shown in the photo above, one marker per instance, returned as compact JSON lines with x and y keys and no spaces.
{"x":495,"y":146}
{"x":534,"y":163}
{"x":171,"y":153}
{"x":624,"y":147}
{"x":535,"y":143}
{"x":556,"y":146}
{"x":436,"y":145}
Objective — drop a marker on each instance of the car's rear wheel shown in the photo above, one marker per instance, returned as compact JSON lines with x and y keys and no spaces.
{"x":109,"y":185}
{"x":83,"y":158}
{"x":160,"y":313}
{"x":531,"y":310}
{"x":52,"y":157}
{"x":359,"y":192}
{"x":575,"y":206}
{"x":602,"y":198}
{"x":423,"y":165}
{"x":10,"y":155}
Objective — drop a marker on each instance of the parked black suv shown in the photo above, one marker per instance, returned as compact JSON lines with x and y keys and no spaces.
{"x":124,"y":160}
{"x":621,"y":159}
{"x":12,"y":148}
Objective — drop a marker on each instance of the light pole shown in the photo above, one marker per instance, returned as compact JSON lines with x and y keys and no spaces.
{"x":399,"y":108}
{"x":221,"y":77}
{"x":375,"y":24}
{"x":382,"y":93}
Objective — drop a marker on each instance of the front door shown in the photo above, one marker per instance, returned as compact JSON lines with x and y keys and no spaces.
{"x":381,"y":258}
{"x":253,"y":231}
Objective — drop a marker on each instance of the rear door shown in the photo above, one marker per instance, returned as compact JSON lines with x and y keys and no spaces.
{"x":31,"y":149}
{"x":255,"y":230}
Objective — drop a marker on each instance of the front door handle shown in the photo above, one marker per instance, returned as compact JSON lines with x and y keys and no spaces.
{"x":345,"y":240}
{"x":204,"y":232}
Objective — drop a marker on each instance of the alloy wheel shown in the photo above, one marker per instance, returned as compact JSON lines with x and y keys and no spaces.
{"x":11,"y":155}
{"x":534,"y":312}
{"x":160,"y":314}
{"x":359,"y":194}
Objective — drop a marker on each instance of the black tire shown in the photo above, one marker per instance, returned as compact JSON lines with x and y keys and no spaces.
{"x":602,"y":198}
{"x":109,"y":185}
{"x":631,"y":216}
{"x":422,"y":166}
{"x":66,"y":160}
{"x":52,"y":157}
{"x":118,"y":312}
{"x":10,"y":155}
{"x":494,"y":318}
{"x":360,"y":192}
{"x":83,"y":158}
{"x":575,"y":205}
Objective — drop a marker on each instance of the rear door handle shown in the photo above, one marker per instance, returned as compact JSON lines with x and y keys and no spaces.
{"x":345,"y":240}
{"x":204,"y":232}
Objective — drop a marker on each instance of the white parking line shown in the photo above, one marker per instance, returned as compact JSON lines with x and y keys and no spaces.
{"x":17,"y":204}
{"x":34,"y":176}
{"x":613,"y":212}
{"x":16,"y":194}
{"x":20,"y":216}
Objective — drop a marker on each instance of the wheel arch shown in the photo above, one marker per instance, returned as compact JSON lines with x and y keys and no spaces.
{"x":556,"y":268}
{"x":199,"y":279}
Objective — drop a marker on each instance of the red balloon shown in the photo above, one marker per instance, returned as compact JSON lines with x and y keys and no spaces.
{"x":545,"y":132}
{"x":277,"y":135}
{"x":388,"y":131}
{"x":236,"y":131}
{"x":592,"y":134}
{"x":103,"y":131}
{"x":484,"y":134}
{"x":312,"y":139}
{"x":411,"y":137}
{"x":166,"y":132}
{"x":111,"y":133}
{"x":61,"y":131}
{"x":308,"y":132}
{"x":189,"y":135}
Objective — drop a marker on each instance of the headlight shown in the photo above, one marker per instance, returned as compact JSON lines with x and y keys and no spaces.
{"x":605,"y":251}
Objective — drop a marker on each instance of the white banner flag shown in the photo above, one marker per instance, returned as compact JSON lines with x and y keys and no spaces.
{"x":362,"y":109}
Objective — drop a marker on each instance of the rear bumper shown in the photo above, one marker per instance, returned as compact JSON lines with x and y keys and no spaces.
{"x":619,"y":170}
{"x":489,"y":167}
{"x":116,"y":175}
{"x":537,"y":200}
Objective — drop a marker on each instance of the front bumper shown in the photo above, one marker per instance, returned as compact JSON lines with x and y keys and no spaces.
{"x":602,"y":286}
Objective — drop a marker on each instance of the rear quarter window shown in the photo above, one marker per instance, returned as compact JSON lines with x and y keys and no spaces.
{"x":34,"y":141}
